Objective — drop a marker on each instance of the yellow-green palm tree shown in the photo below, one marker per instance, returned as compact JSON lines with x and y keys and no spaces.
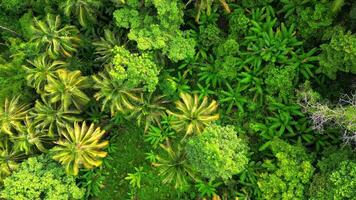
{"x":28,"y":138}
{"x":50,"y":117}
{"x":80,"y":146}
{"x":149,"y":110}
{"x":193,"y":115}
{"x":8,"y":159}
{"x":11,"y":115}
{"x":57,"y":40}
{"x":114,"y":94}
{"x":174,"y":168}
{"x":105,"y":46}
{"x":84,"y":10}
{"x":67,"y":89}
{"x":42,"y":70}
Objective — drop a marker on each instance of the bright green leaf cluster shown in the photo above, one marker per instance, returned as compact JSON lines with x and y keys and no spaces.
{"x":217,"y":153}
{"x":156,"y":32}
{"x":287,"y":177}
{"x":314,"y":20}
{"x":280,"y":81}
{"x":344,"y":181}
{"x":337,"y":177}
{"x":239,"y":22}
{"x":40,"y":178}
{"x":339,"y":54}
{"x":136,"y":70}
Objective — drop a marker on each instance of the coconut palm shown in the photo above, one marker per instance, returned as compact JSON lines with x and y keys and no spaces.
{"x":57,"y":40}
{"x":67,"y":89}
{"x":42,"y":70}
{"x":193,"y":116}
{"x":174,"y":167}
{"x":114,"y":94}
{"x":84,"y":10}
{"x":149,"y":110}
{"x":80,"y":146}
{"x":28,"y":138}
{"x":11,"y":115}
{"x":50,"y":117}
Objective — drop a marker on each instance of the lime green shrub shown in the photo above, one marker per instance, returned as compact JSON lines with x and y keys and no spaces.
{"x":217,"y":153}
{"x":40,"y":178}
{"x":289,"y":175}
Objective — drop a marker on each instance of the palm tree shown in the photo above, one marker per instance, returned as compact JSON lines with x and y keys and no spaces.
{"x":28,"y":137}
{"x":175,"y":167}
{"x":67,"y":89}
{"x":56,"y":39}
{"x":85,"y":10}
{"x":11,"y":115}
{"x":43,"y":70}
{"x":193,"y":116}
{"x":47,"y":116}
{"x":105,"y":46}
{"x":149,"y":110}
{"x":80,"y":146}
{"x":8,"y":159}
{"x":113,"y":92}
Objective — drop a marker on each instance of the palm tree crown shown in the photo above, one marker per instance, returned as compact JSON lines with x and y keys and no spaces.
{"x":193,"y":116}
{"x":50,"y":117}
{"x":85,"y":10}
{"x":80,"y":146}
{"x":67,"y":89}
{"x":56,"y":39}
{"x":42,"y":70}
{"x":114,"y":94}
{"x":11,"y":115}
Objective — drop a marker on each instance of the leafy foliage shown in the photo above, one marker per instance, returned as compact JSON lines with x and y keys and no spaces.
{"x":156,"y":32}
{"x":314,"y":19}
{"x":336,"y":179}
{"x":13,"y":5}
{"x":135,"y":70}
{"x":339,"y":54}
{"x":288,"y":176}
{"x":135,"y":178}
{"x":207,"y":5}
{"x":39,"y":177}
{"x":207,"y":189}
{"x":217,"y":153}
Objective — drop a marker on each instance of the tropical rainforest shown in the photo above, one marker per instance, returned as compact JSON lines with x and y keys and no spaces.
{"x":178,"y":99}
